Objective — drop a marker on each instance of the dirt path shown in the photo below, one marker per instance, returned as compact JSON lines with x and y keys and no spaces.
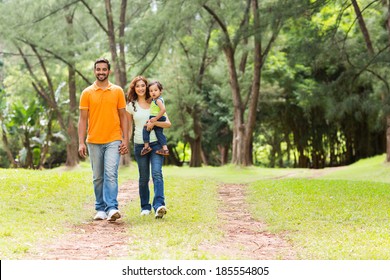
{"x":94,"y":240}
{"x":244,"y":237}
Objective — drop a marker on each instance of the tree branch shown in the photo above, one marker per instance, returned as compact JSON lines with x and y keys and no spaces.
{"x":221,"y":24}
{"x":154,"y":57}
{"x":94,"y":16}
{"x":57,"y":57}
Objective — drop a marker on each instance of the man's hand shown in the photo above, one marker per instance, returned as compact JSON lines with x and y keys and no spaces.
{"x":83,"y":150}
{"x":123,"y":149}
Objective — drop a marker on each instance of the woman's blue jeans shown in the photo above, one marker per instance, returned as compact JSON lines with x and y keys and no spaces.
{"x":105,"y":162}
{"x":155,"y":162}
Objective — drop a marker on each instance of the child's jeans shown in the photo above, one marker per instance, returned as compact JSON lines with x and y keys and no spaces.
{"x":158,"y":130}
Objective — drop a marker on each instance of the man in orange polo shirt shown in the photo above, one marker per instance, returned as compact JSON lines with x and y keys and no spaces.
{"x":103,"y":109}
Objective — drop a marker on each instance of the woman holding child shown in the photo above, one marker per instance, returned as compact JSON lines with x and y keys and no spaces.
{"x":138,"y":112}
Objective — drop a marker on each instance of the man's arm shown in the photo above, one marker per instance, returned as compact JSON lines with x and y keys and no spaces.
{"x":123,"y":148}
{"x":130,"y":125}
{"x":82,"y":130}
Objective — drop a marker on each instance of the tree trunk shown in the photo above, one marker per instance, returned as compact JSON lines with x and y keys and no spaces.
{"x":243,"y":129}
{"x":119,"y":63}
{"x":196,"y":143}
{"x":29,"y":156}
{"x":388,"y":138}
{"x":363,"y":27}
{"x":388,"y":97}
{"x":72,"y":158}
{"x":224,"y":152}
{"x":46,"y":144}
{"x":238,"y":117}
{"x":122,"y":54}
{"x":7,"y":149}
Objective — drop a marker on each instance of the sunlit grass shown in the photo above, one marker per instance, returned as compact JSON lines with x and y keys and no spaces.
{"x":340,"y":215}
{"x":327,"y":219}
{"x":36,"y":204}
{"x":373,"y":169}
{"x":232,"y":174}
{"x":191,"y":219}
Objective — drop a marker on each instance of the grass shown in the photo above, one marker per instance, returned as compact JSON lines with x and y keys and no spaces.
{"x":340,"y":215}
{"x":32,"y":204}
{"x":325,"y":219}
{"x":192,"y":219}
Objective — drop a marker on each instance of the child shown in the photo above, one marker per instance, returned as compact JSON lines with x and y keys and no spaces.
{"x":157,"y":113}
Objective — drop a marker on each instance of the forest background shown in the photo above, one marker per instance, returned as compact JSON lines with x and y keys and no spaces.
{"x":276,"y":83}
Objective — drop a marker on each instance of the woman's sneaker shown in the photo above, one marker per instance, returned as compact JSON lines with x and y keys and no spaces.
{"x":113,"y":215}
{"x":160,"y":212}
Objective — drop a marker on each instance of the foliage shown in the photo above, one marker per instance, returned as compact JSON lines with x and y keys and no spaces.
{"x":323,"y":97}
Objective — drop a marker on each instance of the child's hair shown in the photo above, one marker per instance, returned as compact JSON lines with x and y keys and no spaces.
{"x":159,"y":85}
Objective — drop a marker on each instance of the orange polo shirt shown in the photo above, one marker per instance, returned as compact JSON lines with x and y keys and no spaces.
{"x":103,"y":117}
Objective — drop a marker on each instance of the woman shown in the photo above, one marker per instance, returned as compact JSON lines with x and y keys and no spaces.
{"x":138,"y":108}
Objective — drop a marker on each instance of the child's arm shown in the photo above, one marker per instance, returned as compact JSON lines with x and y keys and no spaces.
{"x":161,"y":105}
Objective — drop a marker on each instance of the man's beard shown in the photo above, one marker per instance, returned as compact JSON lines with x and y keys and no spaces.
{"x":102,"y":78}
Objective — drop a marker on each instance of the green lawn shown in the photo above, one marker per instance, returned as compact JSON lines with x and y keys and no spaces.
{"x":325,"y":219}
{"x":341,"y":215}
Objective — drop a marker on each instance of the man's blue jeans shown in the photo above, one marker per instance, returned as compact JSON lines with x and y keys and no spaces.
{"x":155,"y":162}
{"x":105,"y":162}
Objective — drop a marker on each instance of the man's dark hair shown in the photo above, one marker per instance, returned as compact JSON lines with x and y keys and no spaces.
{"x":102,"y":60}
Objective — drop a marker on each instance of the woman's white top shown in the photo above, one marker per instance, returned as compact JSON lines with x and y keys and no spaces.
{"x":140,"y":117}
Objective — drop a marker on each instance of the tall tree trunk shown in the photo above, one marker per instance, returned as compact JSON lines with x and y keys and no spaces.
{"x":7,"y":148}
{"x":72,"y":158}
{"x":224,"y":153}
{"x":119,"y":62}
{"x":388,"y":97}
{"x":29,"y":155}
{"x":363,"y":27}
{"x":112,"y":41}
{"x":196,"y":144}
{"x":46,"y":144}
{"x":122,"y":54}
{"x":243,"y":129}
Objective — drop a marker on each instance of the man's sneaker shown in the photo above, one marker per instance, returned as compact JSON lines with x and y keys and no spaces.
{"x":145,"y":212}
{"x":160,"y":212}
{"x":113,"y":215}
{"x":100,"y":215}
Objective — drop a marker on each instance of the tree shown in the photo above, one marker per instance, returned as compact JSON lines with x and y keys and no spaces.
{"x":243,"y":126}
{"x":4,"y":131}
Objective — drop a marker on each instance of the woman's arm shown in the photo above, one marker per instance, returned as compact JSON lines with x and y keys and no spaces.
{"x":166,"y":124}
{"x":130,"y":125}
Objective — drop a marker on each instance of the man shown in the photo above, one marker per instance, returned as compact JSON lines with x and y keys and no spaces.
{"x":103,"y":108}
